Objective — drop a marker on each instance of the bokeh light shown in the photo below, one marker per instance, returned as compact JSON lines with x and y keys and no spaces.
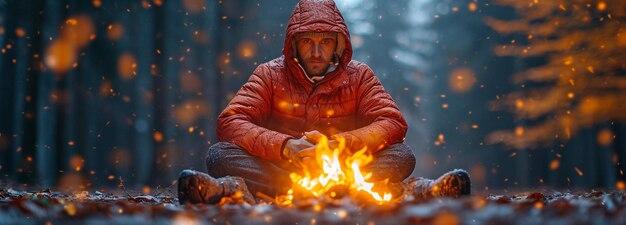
{"x":194,"y":6}
{"x":96,"y":3}
{"x":115,"y":31}
{"x":72,"y":181}
{"x":461,"y":80}
{"x":189,"y":112}
{"x":78,"y":30}
{"x":62,"y":53}
{"x":60,"y":56}
{"x":126,"y":66}
{"x":76,"y":162}
{"x":605,"y":137}
{"x":190,"y":83}
{"x":247,"y":49}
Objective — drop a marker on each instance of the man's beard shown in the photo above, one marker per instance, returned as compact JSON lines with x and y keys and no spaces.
{"x":315,"y":66}
{"x":319,"y":69}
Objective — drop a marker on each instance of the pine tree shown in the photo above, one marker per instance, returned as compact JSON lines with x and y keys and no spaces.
{"x":579,"y":81}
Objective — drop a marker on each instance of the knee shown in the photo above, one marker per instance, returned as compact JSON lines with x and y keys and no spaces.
{"x":402,"y":152}
{"x":405,"y":159}
{"x":216,"y":155}
{"x":213,"y":153}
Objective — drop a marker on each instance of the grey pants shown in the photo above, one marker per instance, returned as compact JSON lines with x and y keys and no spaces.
{"x":272,"y":177}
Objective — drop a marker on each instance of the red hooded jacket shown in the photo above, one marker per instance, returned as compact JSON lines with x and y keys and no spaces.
{"x":279,"y":102}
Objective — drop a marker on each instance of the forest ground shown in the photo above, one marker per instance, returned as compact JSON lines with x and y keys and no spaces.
{"x":122,"y":207}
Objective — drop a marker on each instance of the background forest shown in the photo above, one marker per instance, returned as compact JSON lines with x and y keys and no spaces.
{"x":522,"y":94}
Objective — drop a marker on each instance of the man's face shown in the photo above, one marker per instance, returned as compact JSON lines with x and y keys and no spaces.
{"x":315,"y":51}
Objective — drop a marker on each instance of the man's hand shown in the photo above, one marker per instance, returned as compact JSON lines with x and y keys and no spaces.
{"x":302,"y":151}
{"x":316,"y":136}
{"x":296,"y":149}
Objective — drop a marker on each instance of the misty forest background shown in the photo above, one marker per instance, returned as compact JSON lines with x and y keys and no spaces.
{"x":522,"y":94}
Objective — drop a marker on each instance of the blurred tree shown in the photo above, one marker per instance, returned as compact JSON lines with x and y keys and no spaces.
{"x":394,"y":39}
{"x":463,"y":82}
{"x":581,"y":81}
{"x":95,"y":90}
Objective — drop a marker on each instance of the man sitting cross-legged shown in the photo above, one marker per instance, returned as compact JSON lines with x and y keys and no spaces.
{"x":314,"y":89}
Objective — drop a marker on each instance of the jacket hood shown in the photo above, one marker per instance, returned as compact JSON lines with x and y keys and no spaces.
{"x":316,"y":16}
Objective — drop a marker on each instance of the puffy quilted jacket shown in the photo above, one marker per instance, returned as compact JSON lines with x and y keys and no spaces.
{"x":279,"y":102}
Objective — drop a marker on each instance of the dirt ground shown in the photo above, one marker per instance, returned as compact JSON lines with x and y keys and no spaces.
{"x":51,"y":207}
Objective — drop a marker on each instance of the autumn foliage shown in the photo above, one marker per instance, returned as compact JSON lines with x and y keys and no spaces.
{"x":581,"y":81}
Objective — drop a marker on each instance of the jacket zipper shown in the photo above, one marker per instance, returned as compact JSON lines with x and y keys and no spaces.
{"x":308,"y":98}
{"x":315,"y":84}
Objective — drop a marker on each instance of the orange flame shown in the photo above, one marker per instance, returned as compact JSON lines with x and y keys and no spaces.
{"x":335,"y":168}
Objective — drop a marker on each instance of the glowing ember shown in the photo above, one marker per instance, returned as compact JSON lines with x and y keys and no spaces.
{"x":580,"y":173}
{"x":335,"y":170}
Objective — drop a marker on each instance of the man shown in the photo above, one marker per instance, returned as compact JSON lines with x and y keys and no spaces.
{"x":275,"y":121}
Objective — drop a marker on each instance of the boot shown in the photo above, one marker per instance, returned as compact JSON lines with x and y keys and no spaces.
{"x":195,"y":187}
{"x":453,"y":184}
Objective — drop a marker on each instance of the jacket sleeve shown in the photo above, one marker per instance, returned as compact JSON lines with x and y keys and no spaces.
{"x":242,"y":121}
{"x":381,"y":121}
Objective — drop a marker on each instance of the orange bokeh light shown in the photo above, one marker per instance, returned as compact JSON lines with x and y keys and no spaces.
{"x":157,"y":136}
{"x":76,"y":162}
{"x":78,"y":30}
{"x":126,"y":66}
{"x":60,"y":56}
{"x":620,"y":185}
{"x":461,"y":80}
{"x":601,"y":6}
{"x":605,"y":137}
{"x":20,"y":32}
{"x":190,"y":82}
{"x":194,"y":6}
{"x":189,"y":112}
{"x":472,"y":6}
{"x":115,"y":31}
{"x":554,"y":164}
{"x":247,"y":49}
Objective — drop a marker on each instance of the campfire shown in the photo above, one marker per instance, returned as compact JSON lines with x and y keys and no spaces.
{"x":336,"y":172}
